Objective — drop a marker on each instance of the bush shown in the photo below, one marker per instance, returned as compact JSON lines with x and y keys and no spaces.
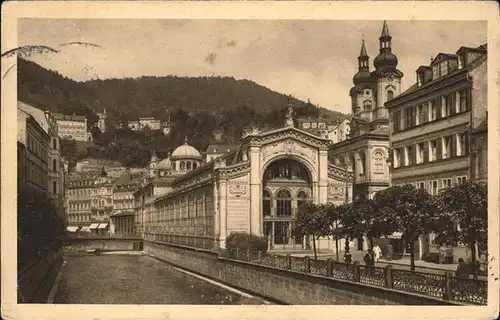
{"x":244,"y":241}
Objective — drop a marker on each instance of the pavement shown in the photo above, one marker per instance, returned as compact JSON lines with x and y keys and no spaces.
{"x":403,"y":263}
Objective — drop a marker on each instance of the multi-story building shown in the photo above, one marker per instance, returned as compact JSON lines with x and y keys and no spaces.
{"x":432,"y":121}
{"x":479,"y":155}
{"x":102,"y":202}
{"x":35,"y":142}
{"x":79,"y":188}
{"x":71,"y":127}
{"x":340,"y":131}
{"x":317,"y":127}
{"x":141,"y":123}
{"x":55,"y":169}
{"x":214,"y":151}
{"x":122,"y":218}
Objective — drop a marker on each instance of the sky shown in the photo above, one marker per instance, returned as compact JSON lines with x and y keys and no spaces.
{"x":310,"y":59}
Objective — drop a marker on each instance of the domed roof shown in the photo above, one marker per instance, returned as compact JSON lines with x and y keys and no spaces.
{"x":385,"y":60}
{"x":362,"y":76}
{"x":165,"y":164}
{"x":186,"y":152}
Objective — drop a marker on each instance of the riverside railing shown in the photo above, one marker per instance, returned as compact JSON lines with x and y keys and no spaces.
{"x":444,"y":286}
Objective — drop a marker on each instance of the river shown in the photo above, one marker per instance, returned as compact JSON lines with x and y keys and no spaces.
{"x":138,"y":279}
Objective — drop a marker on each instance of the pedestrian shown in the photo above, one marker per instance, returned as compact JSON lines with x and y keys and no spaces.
{"x":389,"y":251}
{"x":377,"y":252}
{"x":369,"y":262}
{"x":462,"y":269}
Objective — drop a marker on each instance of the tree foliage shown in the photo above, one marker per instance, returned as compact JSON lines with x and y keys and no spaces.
{"x":40,"y":227}
{"x":312,"y":219}
{"x":408,"y":210}
{"x":463,"y":216}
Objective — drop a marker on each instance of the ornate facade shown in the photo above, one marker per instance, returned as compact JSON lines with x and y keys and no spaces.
{"x":365,"y":151}
{"x":255,"y":188}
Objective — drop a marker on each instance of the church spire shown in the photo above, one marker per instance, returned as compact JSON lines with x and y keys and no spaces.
{"x":363,"y":49}
{"x":385,"y":31}
{"x":363,"y":58}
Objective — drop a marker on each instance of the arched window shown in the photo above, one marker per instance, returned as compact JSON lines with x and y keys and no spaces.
{"x":390,"y":95}
{"x":188,"y":165}
{"x":301,"y":197}
{"x":284,"y":203}
{"x":379,"y":162}
{"x":182,"y":165}
{"x":266,"y":203}
{"x":195,"y":165}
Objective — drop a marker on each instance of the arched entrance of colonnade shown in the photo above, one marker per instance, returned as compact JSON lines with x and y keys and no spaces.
{"x":285,"y":184}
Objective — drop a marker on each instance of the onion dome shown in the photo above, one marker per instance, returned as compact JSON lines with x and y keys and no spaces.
{"x":363,"y":74}
{"x":186,"y":152}
{"x":386,"y":59}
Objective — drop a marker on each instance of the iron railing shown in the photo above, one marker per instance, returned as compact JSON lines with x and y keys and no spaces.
{"x":442,"y":286}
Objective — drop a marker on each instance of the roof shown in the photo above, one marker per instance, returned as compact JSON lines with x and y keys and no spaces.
{"x":59,"y":116}
{"x":165,"y":164}
{"x":443,"y":55}
{"x":124,"y":213}
{"x":186,"y":151}
{"x":385,"y":30}
{"x":221,"y":148}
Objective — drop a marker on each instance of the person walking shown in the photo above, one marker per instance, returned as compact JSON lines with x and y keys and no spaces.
{"x":377,"y":252}
{"x":369,"y":263}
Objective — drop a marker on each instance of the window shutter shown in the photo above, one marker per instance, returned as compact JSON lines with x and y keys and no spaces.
{"x":439,"y":102}
{"x":439,"y":149}
{"x":426,"y":151}
{"x":453,"y":145}
{"x":414,"y":154}
{"x":453,"y":107}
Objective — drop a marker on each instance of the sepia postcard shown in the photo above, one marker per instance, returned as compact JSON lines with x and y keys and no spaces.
{"x":250,"y":159}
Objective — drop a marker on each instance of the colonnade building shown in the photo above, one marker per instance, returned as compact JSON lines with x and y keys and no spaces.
{"x":255,"y":188}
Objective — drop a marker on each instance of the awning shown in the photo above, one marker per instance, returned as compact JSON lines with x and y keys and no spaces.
{"x":102,"y":226}
{"x":395,"y":235}
{"x":94,"y":226}
{"x":85,"y":229}
{"x":72,"y":228}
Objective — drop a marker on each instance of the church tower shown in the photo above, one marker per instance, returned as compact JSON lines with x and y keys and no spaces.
{"x":362,"y":92}
{"x":386,"y":75}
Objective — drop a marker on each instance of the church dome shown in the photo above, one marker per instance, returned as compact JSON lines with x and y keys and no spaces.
{"x":361,"y":77}
{"x":186,"y":152}
{"x":385,"y":60}
{"x":165,"y":164}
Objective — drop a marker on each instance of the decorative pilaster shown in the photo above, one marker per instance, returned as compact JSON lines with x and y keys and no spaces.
{"x":255,"y":192}
{"x":223,"y":212}
{"x":323,"y":177}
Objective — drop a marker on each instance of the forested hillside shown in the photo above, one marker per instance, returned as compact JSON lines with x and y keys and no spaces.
{"x":197,"y":108}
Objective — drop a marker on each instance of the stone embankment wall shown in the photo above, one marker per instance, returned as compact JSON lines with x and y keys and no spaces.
{"x":284,"y":286}
{"x":102,"y":244}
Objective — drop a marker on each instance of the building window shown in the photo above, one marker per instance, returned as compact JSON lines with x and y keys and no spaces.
{"x":390,"y":95}
{"x":461,"y":144}
{"x":409,"y":155}
{"x":433,"y":110}
{"x":462,"y":100}
{"x":396,"y":121}
{"x":379,"y":162}
{"x":421,"y":185}
{"x":407,"y":117}
{"x":194,"y":165}
{"x":54,"y":165}
{"x":435,"y":72}
{"x":446,"y":183}
{"x":301,"y":198}
{"x":284,"y":203}
{"x":266,"y":203}
{"x":188,"y":165}
{"x":443,"y":68}
{"x":447,"y":147}
{"x":423,"y":113}
{"x":306,"y":125}
{"x":362,"y":161}
{"x":462,"y":179}
{"x":182,"y":165}
{"x":420,"y":152}
{"x":432,"y":150}
{"x":433,"y":187}
{"x":54,"y":143}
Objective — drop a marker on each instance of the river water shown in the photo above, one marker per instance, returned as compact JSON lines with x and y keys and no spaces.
{"x":137,"y":279}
